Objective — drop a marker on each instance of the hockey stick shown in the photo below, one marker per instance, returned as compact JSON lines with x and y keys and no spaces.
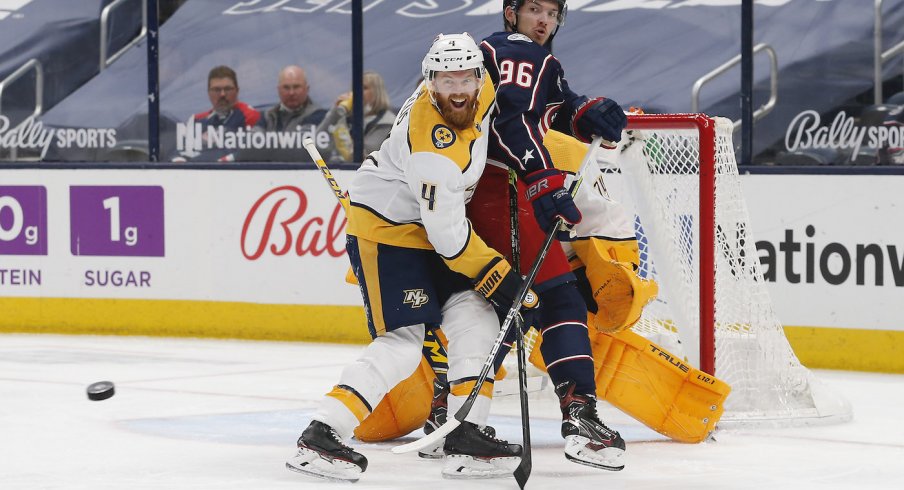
{"x":522,"y":472}
{"x":308,"y":144}
{"x":433,"y":438}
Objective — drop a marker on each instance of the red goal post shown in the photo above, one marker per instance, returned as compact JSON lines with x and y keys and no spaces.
{"x":706,"y":134}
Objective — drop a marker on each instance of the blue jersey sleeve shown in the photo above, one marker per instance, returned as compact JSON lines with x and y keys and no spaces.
{"x":532,"y":96}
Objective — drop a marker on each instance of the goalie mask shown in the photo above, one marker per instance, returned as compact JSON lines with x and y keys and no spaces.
{"x":516,"y":6}
{"x":453,"y":66}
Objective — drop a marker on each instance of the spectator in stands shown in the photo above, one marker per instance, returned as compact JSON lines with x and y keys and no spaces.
{"x":378,"y":120}
{"x":295,"y":108}
{"x":295,"y":112}
{"x":223,"y":91}
{"x":227,"y":112}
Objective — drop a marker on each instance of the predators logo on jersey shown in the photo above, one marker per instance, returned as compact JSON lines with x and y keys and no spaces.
{"x":443,"y":136}
{"x":415,"y":297}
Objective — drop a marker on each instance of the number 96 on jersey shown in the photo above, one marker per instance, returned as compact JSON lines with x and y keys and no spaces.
{"x":116,"y":220}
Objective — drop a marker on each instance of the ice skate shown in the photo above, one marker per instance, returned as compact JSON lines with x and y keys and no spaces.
{"x":322,"y":454}
{"x":587,"y":440}
{"x":439,"y":409}
{"x":472,"y":452}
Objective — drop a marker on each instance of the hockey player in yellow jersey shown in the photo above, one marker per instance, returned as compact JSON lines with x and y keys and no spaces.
{"x":419,"y":264}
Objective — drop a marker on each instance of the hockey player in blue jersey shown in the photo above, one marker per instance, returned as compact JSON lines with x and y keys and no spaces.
{"x":532,"y":97}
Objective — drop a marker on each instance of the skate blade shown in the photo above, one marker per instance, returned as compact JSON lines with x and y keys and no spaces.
{"x":603,"y":466}
{"x":609,"y":458}
{"x":432,"y":455}
{"x":435,"y":452}
{"x":310,"y":463}
{"x":463,"y":467}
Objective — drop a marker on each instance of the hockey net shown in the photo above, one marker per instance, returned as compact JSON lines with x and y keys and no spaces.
{"x":680,"y":179}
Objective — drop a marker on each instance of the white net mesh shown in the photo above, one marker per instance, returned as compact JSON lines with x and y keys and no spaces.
{"x":661,"y":168}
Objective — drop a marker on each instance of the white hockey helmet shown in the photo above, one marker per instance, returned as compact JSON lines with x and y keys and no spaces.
{"x":452,"y":52}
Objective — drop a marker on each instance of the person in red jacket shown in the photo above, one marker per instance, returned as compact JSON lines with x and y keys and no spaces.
{"x":226,"y":112}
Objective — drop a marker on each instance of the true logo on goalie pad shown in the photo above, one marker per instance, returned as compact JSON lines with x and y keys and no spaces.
{"x":415,"y":297}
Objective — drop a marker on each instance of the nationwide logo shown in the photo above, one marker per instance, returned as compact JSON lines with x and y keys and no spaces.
{"x":32,"y":135}
{"x":191,"y":139}
{"x":9,"y":8}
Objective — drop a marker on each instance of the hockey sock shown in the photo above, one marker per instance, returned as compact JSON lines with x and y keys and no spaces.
{"x":566,"y":345}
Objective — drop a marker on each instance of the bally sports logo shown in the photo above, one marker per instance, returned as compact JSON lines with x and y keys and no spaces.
{"x":807,"y":131}
{"x":279,"y":222}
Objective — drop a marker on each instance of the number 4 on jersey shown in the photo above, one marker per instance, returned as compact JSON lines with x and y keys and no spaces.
{"x":428,"y":193}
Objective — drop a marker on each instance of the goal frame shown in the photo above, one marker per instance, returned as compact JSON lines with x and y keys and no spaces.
{"x":706,"y":130}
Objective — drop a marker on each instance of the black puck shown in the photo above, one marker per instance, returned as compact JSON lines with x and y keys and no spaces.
{"x":101,"y":390}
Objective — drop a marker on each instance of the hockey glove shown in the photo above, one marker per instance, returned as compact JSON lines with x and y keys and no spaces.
{"x":499,"y":284}
{"x":546,"y":192}
{"x":599,"y":117}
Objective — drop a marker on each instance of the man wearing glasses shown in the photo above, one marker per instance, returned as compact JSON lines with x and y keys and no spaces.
{"x":227,"y":112}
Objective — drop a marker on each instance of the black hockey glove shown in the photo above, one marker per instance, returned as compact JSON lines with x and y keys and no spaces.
{"x":499,"y":284}
{"x":546,"y":192}
{"x":599,"y":117}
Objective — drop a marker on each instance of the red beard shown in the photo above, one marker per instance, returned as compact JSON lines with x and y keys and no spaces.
{"x":458,"y":119}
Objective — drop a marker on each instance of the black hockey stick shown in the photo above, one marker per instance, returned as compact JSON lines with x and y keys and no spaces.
{"x":522,"y":472}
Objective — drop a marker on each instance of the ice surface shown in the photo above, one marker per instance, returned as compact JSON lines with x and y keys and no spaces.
{"x":224,"y":414}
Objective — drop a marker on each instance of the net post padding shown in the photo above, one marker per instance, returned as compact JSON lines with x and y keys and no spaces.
{"x":682,"y":181}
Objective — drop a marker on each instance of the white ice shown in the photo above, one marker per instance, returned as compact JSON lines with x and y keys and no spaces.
{"x":225,"y":414}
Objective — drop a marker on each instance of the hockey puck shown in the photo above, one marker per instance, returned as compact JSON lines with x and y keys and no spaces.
{"x":101,"y":390}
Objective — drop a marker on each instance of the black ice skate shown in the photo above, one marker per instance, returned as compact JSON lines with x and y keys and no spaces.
{"x":472,"y":452}
{"x":322,"y":454}
{"x":439,"y":409}
{"x":587,"y":440}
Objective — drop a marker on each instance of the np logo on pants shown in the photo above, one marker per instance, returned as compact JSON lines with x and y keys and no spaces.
{"x":415,"y":297}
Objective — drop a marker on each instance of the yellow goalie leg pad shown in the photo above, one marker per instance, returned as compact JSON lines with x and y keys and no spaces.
{"x":536,"y":357}
{"x":655,"y":387}
{"x":619,"y":292}
{"x":404,"y":409}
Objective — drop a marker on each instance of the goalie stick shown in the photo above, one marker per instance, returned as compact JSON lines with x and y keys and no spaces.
{"x":442,"y":431}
